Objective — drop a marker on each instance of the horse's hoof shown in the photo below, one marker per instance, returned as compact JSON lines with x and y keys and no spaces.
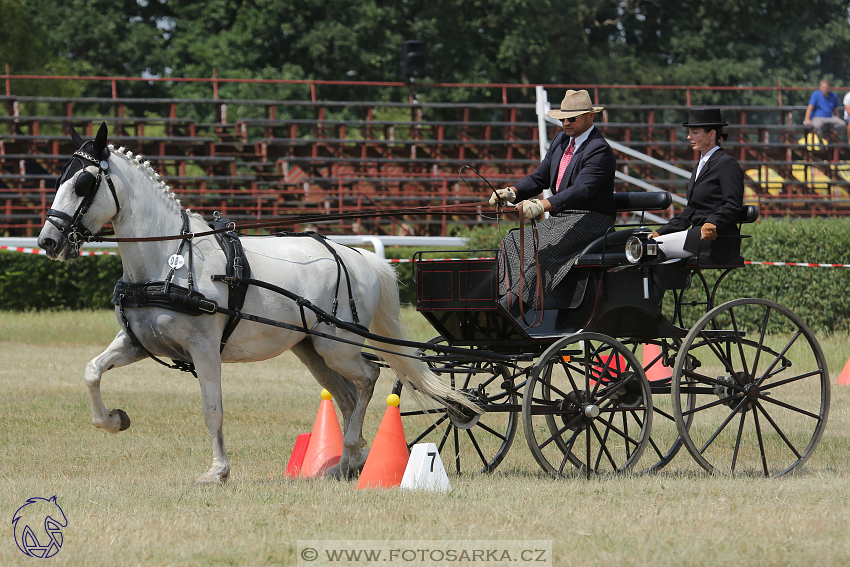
{"x":122,"y":415}
{"x":213,"y":477}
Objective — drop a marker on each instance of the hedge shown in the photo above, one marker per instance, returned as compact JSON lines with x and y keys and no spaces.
{"x":818,"y":295}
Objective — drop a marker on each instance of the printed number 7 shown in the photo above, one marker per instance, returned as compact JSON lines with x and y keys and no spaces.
{"x":433,"y":457}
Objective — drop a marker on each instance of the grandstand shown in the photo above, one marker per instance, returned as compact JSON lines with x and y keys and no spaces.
{"x":257,"y":159}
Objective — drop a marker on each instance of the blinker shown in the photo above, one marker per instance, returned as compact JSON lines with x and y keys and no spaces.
{"x":84,"y":184}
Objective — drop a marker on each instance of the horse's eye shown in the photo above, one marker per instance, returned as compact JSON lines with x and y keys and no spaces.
{"x":84,"y":184}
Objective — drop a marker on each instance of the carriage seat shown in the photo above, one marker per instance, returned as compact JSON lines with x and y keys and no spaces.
{"x":748,"y":214}
{"x":613,"y":244}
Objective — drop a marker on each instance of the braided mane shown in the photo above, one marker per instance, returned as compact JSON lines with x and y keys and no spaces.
{"x":144,"y":167}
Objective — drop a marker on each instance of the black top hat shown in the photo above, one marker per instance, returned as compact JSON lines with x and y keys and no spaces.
{"x":704,"y":117}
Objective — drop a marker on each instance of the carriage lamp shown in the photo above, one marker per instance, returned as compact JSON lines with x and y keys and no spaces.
{"x":638,"y":248}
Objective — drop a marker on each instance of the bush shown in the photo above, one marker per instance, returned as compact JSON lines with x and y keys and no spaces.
{"x":818,"y":295}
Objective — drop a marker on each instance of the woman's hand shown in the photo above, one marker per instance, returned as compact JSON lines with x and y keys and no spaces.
{"x":709,"y":231}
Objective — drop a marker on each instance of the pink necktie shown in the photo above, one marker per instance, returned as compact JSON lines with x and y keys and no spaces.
{"x":565,"y":161}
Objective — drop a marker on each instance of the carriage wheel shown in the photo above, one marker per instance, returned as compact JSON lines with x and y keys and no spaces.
{"x":664,"y":439}
{"x":761,"y":385}
{"x":476,"y":442}
{"x":587,"y":402}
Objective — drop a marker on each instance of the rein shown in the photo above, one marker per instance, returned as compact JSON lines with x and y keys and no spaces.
{"x":300,"y":219}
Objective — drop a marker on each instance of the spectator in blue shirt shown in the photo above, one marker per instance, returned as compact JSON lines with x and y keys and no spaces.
{"x":822,"y":113}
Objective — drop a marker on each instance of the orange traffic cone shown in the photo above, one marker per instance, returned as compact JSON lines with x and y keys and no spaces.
{"x":388,"y":457}
{"x":657,"y":371}
{"x":325,"y":447}
{"x":614,"y":368}
{"x":844,"y":377}
{"x":296,"y":459}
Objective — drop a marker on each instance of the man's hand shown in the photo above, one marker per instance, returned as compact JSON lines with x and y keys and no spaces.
{"x":709,"y":231}
{"x":506,"y":195}
{"x":532,"y":208}
{"x":654,"y":234}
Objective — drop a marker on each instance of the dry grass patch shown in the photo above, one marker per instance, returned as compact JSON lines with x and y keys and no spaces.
{"x":130,"y":498}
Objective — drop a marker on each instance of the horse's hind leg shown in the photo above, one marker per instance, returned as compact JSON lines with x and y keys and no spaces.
{"x":347,"y":361}
{"x":120,"y":352}
{"x":344,"y":391}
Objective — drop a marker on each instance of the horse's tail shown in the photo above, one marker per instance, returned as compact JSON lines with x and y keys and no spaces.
{"x":387,"y":322}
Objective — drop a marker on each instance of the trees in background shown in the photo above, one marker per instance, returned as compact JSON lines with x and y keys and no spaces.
{"x":723,"y":42}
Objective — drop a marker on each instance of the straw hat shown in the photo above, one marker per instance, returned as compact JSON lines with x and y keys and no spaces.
{"x":575,"y":103}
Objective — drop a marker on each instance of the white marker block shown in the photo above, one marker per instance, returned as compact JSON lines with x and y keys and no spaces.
{"x":425,"y":470}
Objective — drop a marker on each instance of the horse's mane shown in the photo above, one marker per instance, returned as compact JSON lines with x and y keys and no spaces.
{"x":144,"y":167}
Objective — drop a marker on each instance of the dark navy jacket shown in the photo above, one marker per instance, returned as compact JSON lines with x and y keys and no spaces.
{"x":716,"y":197}
{"x":588,"y":183}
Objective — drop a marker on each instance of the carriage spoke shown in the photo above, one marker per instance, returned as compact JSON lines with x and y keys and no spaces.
{"x":774,"y":385}
{"x":778,"y":357}
{"x":569,"y":450}
{"x":491,"y":431}
{"x":477,"y":448}
{"x":761,"y":443}
{"x":718,"y":352}
{"x":788,"y":406}
{"x":609,"y":424}
{"x":712,"y":404}
{"x":663,"y":414}
{"x":431,"y":428}
{"x":740,"y":344}
{"x":604,"y":447}
{"x":738,"y":440}
{"x":779,"y":430}
{"x":761,"y":341}
{"x":722,"y":426}
{"x":601,"y":446}
{"x":558,"y":433}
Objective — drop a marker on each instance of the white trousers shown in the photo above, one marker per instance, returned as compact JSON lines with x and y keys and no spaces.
{"x":673,"y":244}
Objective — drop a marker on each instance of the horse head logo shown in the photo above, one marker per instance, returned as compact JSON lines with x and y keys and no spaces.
{"x":38,"y":527}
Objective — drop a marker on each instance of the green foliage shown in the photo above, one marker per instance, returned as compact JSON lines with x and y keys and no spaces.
{"x":646,"y":42}
{"x":29,"y":282}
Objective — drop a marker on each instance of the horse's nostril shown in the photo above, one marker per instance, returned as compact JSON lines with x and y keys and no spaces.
{"x":48,"y":244}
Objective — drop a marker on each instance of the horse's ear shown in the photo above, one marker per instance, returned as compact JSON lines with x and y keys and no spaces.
{"x":76,"y":138}
{"x":100,"y":139}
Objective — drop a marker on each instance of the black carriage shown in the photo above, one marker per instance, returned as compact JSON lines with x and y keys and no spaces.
{"x":742,"y":385}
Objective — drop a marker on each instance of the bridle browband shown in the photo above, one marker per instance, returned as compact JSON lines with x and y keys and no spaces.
{"x":86,"y":186}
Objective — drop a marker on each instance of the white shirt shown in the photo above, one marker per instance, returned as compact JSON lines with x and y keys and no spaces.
{"x":579,"y":140}
{"x":846,"y":103}
{"x":704,"y":159}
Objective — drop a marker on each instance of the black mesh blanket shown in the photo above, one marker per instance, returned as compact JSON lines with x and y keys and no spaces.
{"x":561,"y":240}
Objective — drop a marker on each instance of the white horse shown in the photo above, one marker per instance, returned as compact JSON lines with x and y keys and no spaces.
{"x":139,"y":204}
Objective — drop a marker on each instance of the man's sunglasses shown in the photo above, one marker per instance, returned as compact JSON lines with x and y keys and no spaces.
{"x":572,"y":119}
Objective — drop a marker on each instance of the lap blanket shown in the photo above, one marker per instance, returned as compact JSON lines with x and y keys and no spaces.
{"x":562,"y":237}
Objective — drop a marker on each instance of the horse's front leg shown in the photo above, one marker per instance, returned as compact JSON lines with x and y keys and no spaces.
{"x":208,"y":367}
{"x":120,"y":352}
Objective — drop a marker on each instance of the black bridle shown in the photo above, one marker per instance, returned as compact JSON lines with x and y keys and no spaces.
{"x":86,"y":186}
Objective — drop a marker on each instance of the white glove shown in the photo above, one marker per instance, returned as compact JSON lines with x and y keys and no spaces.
{"x":506,"y":195}
{"x":532,"y":208}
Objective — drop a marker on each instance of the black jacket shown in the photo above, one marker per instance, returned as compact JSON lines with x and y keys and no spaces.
{"x":588,"y":183}
{"x":716,"y":197}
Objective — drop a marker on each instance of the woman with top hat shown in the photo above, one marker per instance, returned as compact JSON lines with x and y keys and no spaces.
{"x":708,"y":225}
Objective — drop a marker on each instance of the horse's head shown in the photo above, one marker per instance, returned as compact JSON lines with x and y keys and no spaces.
{"x":80,"y":207}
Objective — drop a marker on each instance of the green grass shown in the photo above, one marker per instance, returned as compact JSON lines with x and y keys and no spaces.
{"x":130,"y":498}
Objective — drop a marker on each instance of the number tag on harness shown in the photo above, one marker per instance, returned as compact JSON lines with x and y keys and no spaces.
{"x":176,"y":261}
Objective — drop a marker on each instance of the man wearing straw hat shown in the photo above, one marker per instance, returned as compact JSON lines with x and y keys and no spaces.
{"x":579,"y":169}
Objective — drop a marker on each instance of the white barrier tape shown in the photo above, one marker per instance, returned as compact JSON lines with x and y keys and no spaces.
{"x":41,"y":252}
{"x":800,"y":264}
